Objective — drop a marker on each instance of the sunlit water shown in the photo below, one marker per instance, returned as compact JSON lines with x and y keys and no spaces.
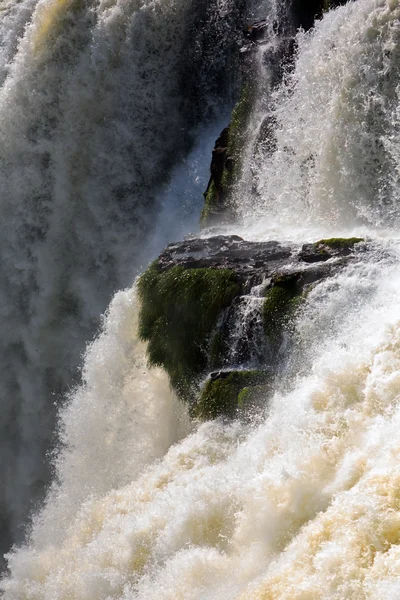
{"x":103,"y":107}
{"x":303,"y":504}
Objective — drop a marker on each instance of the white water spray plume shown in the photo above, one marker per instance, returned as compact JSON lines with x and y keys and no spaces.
{"x":145,"y":503}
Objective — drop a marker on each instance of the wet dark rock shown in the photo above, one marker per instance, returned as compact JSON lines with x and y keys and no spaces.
{"x":253,"y":262}
{"x":223,"y":310}
{"x":219,"y":205}
{"x":304,"y":14}
{"x":328,"y":248}
{"x":218,"y":162}
{"x":256,"y":31}
{"x":310,"y":254}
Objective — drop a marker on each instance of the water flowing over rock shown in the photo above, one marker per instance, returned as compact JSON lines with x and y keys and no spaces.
{"x":226,"y":303}
{"x":232,"y":431}
{"x":100,"y":103}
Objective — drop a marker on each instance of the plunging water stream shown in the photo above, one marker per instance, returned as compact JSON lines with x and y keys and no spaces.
{"x":98,"y":103}
{"x":304,"y":502}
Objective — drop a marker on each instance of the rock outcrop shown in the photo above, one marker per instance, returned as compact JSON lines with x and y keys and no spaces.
{"x":219,"y":206}
{"x":216,"y":311}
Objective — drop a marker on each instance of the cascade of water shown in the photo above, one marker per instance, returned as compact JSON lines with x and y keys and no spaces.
{"x":98,"y":101}
{"x":343,"y":94}
{"x":242,"y":331}
{"x":305,"y":504}
{"x":121,"y":418}
{"x":245,"y":339}
{"x":268,"y":59}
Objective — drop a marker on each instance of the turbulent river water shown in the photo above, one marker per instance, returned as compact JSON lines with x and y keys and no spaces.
{"x":302,"y":504}
{"x":108,"y":116}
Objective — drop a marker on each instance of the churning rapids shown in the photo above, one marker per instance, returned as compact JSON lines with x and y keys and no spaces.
{"x":103,"y":159}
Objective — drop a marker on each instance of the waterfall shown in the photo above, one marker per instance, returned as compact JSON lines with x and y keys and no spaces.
{"x":102,"y":103}
{"x":304,"y":503}
{"x":346,"y":78}
{"x":144,"y":502}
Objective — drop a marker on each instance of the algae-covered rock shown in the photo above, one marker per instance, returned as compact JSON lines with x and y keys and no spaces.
{"x":223,"y":393}
{"x":225,"y":164}
{"x":202,"y":295}
{"x":339,"y":243}
{"x":250,"y":397}
{"x":179,"y":309}
{"x":281,"y":301}
{"x":328,"y":248}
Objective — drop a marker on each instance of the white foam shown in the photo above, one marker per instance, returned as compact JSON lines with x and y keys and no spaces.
{"x":304,"y":505}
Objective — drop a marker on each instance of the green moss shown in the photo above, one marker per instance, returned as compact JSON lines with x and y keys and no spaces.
{"x":339,"y":243}
{"x":210,"y":203}
{"x":237,"y":130}
{"x":243,"y":397}
{"x":238,"y":122}
{"x":179,"y":310}
{"x":249,"y":396}
{"x":281,"y":301}
{"x":220,"y":397}
{"x":221,"y":197}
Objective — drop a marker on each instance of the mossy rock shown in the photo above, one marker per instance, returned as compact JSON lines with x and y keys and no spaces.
{"x":179,"y":310}
{"x":210,"y":204}
{"x":218,"y":205}
{"x":281,"y":302}
{"x":339,"y":243}
{"x":249,"y":397}
{"x":328,"y":248}
{"x":223,"y":395}
{"x":239,"y":121}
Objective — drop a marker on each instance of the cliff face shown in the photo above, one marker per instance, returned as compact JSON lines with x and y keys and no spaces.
{"x":219,"y":314}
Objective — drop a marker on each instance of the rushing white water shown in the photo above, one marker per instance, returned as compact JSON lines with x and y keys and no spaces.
{"x":304,"y":505}
{"x":113,"y":418}
{"x":246,"y":342}
{"x":98,"y":103}
{"x":336,"y":134}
